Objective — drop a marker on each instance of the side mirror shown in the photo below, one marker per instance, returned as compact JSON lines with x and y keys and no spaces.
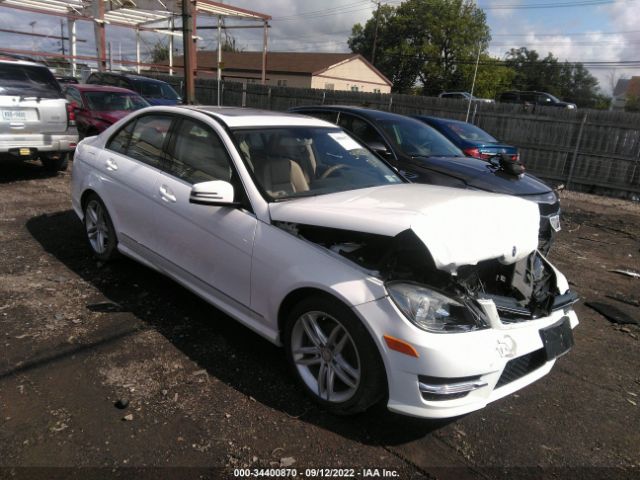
{"x":379,"y":148}
{"x":216,"y":192}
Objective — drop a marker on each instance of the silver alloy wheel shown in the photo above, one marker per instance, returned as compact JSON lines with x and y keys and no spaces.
{"x":325,"y":356}
{"x":96,"y":226}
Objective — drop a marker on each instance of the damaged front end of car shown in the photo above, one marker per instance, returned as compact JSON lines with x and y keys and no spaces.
{"x":492,"y":293}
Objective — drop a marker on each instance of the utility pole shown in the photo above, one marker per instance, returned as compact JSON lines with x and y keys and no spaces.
{"x":473,"y":84}
{"x":375,"y":34}
{"x":187,"y":47}
{"x":62,"y":35}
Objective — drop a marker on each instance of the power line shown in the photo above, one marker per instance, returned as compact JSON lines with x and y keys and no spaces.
{"x":622,"y":32}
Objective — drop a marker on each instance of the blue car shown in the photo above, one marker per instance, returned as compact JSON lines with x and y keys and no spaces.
{"x":473,"y":141}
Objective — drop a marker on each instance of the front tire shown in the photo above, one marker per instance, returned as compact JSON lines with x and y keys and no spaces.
{"x":333,"y":356}
{"x":101,"y":235}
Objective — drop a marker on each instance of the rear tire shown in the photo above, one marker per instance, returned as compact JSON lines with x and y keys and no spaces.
{"x":333,"y":356}
{"x":56,"y":164}
{"x":101,"y":235}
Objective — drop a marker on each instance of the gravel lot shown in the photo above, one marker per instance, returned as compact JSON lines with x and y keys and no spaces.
{"x":206,"y":395}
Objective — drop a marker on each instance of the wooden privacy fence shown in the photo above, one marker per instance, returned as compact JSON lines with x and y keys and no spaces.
{"x":587,"y":150}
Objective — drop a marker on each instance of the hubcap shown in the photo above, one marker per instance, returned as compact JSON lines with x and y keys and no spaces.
{"x":96,"y":225}
{"x":325,"y":356}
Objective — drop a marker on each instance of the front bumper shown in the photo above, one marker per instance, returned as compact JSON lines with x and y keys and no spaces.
{"x":38,"y":142}
{"x":481,"y":366}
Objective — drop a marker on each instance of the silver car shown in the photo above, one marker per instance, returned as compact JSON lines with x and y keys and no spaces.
{"x":36,"y":121}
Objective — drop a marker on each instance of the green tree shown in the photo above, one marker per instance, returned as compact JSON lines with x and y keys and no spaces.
{"x":571,"y":82}
{"x":492,"y":77}
{"x":424,"y":42}
{"x":159,"y":52}
{"x":633,"y":103}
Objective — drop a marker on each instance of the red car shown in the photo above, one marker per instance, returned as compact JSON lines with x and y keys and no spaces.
{"x":96,"y":107}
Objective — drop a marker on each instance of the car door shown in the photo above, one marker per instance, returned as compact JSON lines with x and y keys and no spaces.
{"x":206,"y":246}
{"x":130,"y":168}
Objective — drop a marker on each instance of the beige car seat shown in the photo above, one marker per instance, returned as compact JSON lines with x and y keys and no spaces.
{"x":281,"y":176}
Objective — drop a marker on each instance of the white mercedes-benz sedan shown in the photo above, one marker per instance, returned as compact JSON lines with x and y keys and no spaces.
{"x":433,"y":299}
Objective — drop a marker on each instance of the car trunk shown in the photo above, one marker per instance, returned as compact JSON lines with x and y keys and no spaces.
{"x":32,"y":115}
{"x":30,"y":100}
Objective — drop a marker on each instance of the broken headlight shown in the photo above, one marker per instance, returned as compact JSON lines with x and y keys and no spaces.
{"x":432,"y":311}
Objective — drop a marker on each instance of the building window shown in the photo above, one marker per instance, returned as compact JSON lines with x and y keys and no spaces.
{"x":329,"y":86}
{"x":354,"y":88}
{"x":376,"y":90}
{"x":282,"y":83}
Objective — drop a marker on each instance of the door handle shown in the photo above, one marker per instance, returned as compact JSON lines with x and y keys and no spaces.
{"x":166,"y":194}
{"x":111,"y":165}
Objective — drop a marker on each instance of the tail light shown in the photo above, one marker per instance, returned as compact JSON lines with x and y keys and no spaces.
{"x":475,"y":153}
{"x":71,"y":115}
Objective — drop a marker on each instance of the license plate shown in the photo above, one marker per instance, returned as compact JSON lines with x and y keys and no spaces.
{"x":557,"y":338}
{"x":14,"y":115}
{"x":25,"y":151}
{"x":554,"y":220}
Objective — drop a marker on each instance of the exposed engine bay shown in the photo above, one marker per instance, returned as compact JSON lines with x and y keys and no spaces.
{"x":521,"y":291}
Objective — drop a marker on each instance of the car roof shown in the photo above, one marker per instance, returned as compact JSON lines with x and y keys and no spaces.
{"x":18,"y":61}
{"x":370,"y":113}
{"x":251,"y":117}
{"x":132,"y":76}
{"x":440,"y":119}
{"x":90,"y":87}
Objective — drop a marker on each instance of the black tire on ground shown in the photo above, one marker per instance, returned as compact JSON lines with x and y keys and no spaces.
{"x":100,"y":233}
{"x":359,"y":351}
{"x":56,"y":164}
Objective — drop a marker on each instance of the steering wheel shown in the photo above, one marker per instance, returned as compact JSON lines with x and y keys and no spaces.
{"x":332,"y":169}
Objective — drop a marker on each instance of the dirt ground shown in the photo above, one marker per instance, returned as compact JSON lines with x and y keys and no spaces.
{"x":206,"y":395}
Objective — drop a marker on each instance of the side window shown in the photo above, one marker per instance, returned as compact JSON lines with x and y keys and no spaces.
{"x":123,"y":83}
{"x":543,"y":99}
{"x":147,"y":139}
{"x":120,"y":141}
{"x":528,"y":97}
{"x":198,"y":155}
{"x":361,"y":129}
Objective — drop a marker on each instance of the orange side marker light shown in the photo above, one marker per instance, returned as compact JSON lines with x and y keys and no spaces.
{"x":401,"y":346}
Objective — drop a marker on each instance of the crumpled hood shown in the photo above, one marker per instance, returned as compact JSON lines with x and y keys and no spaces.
{"x":458,"y":227}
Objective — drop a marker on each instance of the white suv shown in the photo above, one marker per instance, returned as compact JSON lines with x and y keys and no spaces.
{"x":433,"y":298}
{"x":36,"y":121}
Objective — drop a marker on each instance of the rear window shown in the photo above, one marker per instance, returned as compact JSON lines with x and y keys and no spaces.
{"x":29,"y":80}
{"x":470,"y":132}
{"x":152,"y":89}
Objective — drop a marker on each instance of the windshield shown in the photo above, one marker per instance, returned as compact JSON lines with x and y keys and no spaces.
{"x":469,"y":132}
{"x":416,"y":139}
{"x":28,"y":80}
{"x":291,"y":162}
{"x":153,"y":89}
{"x":114,"y":101}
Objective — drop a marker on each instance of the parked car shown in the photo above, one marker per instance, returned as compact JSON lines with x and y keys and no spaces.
{"x":534,"y":98}
{"x":424,"y":155}
{"x":156,"y":92}
{"x":64,"y":80}
{"x":35,"y":119}
{"x":97,"y":106}
{"x":472,"y":140}
{"x":465,"y":96}
{"x":298,"y":231}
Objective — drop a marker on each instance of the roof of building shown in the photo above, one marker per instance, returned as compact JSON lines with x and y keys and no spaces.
{"x":304,"y":63}
{"x":627,"y":86}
